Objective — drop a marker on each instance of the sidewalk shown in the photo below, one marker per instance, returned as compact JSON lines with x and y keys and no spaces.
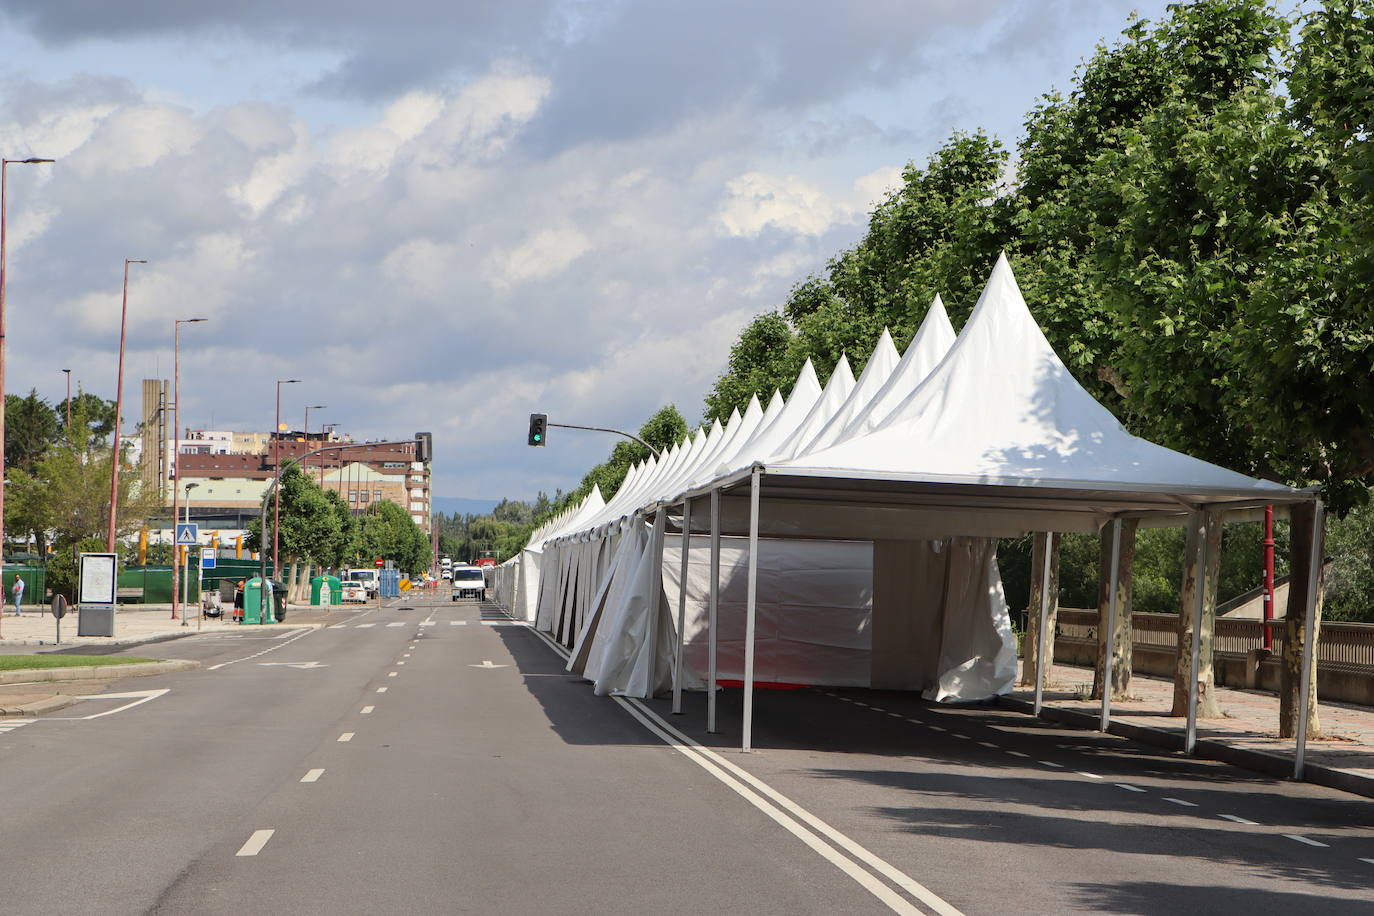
{"x":1343,"y":757}
{"x":133,"y":624}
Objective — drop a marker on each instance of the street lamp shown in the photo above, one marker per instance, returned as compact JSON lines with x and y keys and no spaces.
{"x":307,"y":421}
{"x":276,"y":465}
{"x":176,"y":547}
{"x":326,"y":431}
{"x":69,"y":404}
{"x":176,"y":444}
{"x":119,"y":408}
{"x":4,"y":274}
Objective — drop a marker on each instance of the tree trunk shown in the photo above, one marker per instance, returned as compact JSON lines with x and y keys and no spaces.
{"x":1120,"y":642}
{"x":1302,"y":531}
{"x":290,"y":582}
{"x":1031,"y":644}
{"x":1194,"y":579}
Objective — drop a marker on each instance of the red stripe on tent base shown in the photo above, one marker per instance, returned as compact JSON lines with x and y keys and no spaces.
{"x":765,"y":685}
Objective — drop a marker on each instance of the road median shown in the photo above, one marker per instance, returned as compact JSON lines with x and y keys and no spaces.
{"x":90,"y":672}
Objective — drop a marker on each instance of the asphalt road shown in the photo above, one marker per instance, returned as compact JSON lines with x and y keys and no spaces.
{"x":426,"y":759}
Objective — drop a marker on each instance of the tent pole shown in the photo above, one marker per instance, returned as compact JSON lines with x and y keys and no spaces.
{"x":1044,"y":622}
{"x":1200,"y":523}
{"x":1309,"y":642}
{"x":682,"y":605}
{"x":714,"y":603}
{"x":750,"y":611}
{"x":1110,"y":642}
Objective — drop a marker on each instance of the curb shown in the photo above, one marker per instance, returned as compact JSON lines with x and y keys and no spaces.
{"x":155,"y":637}
{"x":1264,"y":762}
{"x":38,"y":707}
{"x":102,"y":672}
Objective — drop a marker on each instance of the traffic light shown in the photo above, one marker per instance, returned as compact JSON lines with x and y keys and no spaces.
{"x":424,"y":447}
{"x":539,"y":424}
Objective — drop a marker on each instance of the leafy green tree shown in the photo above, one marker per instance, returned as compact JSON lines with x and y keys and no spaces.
{"x":96,"y":412}
{"x":62,"y":572}
{"x":387,"y":531}
{"x":30,"y":428}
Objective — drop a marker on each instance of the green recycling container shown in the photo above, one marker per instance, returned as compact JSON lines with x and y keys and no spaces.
{"x":326,"y":590}
{"x":252,"y":603}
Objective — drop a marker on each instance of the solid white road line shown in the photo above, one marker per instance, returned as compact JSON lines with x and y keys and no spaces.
{"x":366,"y":710}
{"x":1302,"y":839}
{"x":1179,"y":801}
{"x":778,"y":807}
{"x":312,"y":776}
{"x":1130,"y":788}
{"x":255,"y":843}
{"x":142,"y":696}
{"x":284,"y":642}
{"x":1238,"y":820}
{"x":346,"y":736}
{"x":381,"y":690}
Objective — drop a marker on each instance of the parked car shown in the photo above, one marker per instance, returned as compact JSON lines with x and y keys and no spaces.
{"x":353,"y":591}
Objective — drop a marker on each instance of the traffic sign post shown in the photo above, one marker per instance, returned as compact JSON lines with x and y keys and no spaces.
{"x":59,"y":610}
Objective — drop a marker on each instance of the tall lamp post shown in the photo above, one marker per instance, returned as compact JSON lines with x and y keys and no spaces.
{"x":307,"y":424}
{"x":4,"y":274}
{"x":176,"y":449}
{"x":119,"y":407}
{"x":185,"y":615}
{"x":328,"y":430}
{"x":69,"y":403}
{"x":276,"y":466}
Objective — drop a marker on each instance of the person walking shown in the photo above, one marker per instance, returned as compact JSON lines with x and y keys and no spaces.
{"x":17,"y":590}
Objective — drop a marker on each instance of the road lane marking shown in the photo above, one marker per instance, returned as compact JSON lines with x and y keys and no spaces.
{"x":1179,"y":801}
{"x":1368,"y":861}
{"x":457,"y":623}
{"x":284,"y":642}
{"x":895,"y":715}
{"x":1019,"y":754}
{"x":937,"y":728}
{"x":366,"y":710}
{"x":400,"y":663}
{"x":312,"y":776}
{"x":364,"y":626}
{"x":487,"y":663}
{"x":381,"y":690}
{"x":988,"y":744}
{"x":406,"y":655}
{"x":139,"y":698}
{"x":787,"y":813}
{"x":1050,"y":763}
{"x":1302,"y":839}
{"x":338,"y":626}
{"x":346,"y":736}
{"x":397,"y":623}
{"x":392,"y":673}
{"x":1087,"y":774}
{"x":1130,"y":788}
{"x":255,"y":843}
{"x":1238,"y":820}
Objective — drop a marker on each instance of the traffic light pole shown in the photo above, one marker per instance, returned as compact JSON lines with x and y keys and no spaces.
{"x":603,"y":429}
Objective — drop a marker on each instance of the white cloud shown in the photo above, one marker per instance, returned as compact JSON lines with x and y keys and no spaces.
{"x":757,"y":201}
{"x":539,"y":256}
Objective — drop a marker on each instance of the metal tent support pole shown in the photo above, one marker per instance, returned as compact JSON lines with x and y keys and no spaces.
{"x":655,"y":590}
{"x":712,"y":607}
{"x":750,"y":612}
{"x":1200,"y":525}
{"x":682,"y":606}
{"x":1044,"y":622}
{"x":1309,"y":642}
{"x":1108,"y":668}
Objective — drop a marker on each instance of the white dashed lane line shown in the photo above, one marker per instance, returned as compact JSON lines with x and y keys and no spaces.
{"x":1233,"y":818}
{"x":1019,"y":754}
{"x":1087,"y":774}
{"x":312,"y":776}
{"x":1050,"y":763}
{"x":397,"y":623}
{"x":1368,"y":861}
{"x":1130,"y":788}
{"x":1179,"y":801}
{"x":366,"y":710}
{"x":1302,"y":839}
{"x":392,"y":673}
{"x":381,"y":690}
{"x":255,"y":843}
{"x":346,"y":736}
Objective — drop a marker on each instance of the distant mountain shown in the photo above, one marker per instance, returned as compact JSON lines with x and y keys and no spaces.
{"x":448,"y":505}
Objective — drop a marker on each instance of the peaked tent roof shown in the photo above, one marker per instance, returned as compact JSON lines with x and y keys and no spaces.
{"x":836,"y":392}
{"x":1002,"y":409}
{"x":879,"y":369}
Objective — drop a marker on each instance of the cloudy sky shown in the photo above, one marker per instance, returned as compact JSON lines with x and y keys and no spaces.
{"x":446,"y":214}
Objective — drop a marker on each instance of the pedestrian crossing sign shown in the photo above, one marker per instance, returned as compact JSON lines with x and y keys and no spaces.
{"x":188,"y":533}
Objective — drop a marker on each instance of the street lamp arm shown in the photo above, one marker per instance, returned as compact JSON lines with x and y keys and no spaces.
{"x":618,"y":432}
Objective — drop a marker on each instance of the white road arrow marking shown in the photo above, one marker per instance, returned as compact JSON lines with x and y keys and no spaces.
{"x":302,"y":665}
{"x":486,"y":663}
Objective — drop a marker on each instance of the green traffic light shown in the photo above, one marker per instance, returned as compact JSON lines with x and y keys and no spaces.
{"x":537,"y":437}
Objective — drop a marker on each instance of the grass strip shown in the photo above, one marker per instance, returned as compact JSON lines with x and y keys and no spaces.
{"x":28,"y":662}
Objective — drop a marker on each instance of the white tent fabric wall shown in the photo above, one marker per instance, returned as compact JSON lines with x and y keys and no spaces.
{"x":815,"y":609}
{"x":977,"y":655}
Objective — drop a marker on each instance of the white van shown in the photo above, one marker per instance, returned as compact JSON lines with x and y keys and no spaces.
{"x":468,"y":582}
{"x":368,"y":577}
